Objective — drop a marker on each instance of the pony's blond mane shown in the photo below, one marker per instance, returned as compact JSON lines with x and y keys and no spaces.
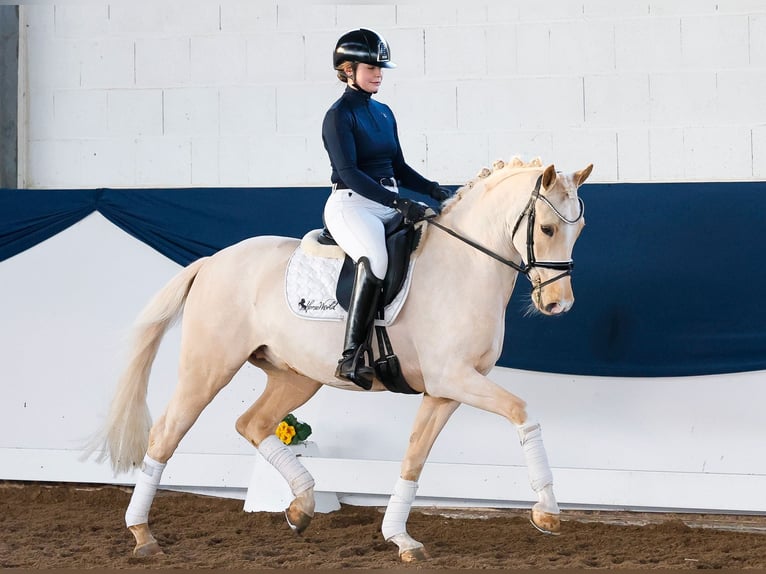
{"x":499,"y":167}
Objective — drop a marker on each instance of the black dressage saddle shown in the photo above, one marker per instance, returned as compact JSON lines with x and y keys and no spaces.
{"x":402,"y":238}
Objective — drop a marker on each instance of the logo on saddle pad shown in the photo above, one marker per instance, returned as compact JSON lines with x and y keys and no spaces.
{"x":310,"y":306}
{"x":311,"y":279}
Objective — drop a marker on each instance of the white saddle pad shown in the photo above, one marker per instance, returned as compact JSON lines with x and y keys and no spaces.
{"x":310,"y":282}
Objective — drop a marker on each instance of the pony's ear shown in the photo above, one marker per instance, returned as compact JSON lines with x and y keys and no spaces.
{"x":549,"y":176}
{"x":582,"y":175}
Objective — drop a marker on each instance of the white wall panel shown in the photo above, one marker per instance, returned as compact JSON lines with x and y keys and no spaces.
{"x":714,"y":42}
{"x":759,"y":152}
{"x":566,"y":64}
{"x":190,"y":112}
{"x":135,"y":113}
{"x":79,"y":114}
{"x":162,"y":62}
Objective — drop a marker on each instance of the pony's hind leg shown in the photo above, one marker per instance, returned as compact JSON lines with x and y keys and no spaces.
{"x":204,"y":370}
{"x":431,"y":417}
{"x":285,"y":390}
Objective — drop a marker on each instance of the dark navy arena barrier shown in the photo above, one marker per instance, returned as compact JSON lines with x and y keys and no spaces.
{"x":668,"y":278}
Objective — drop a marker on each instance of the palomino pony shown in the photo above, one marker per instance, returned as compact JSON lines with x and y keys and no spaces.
{"x":515,"y":218}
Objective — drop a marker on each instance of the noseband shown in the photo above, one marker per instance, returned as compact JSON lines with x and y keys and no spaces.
{"x":529,"y":212}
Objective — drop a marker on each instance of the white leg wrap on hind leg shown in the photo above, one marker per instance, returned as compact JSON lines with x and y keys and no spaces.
{"x":398,"y":509}
{"x":540,"y":475}
{"x":144,"y":491}
{"x":288,"y":465}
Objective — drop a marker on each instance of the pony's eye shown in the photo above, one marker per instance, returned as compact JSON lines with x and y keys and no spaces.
{"x":547,"y":229}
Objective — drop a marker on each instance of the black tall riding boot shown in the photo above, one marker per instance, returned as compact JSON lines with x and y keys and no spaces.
{"x":361,"y":313}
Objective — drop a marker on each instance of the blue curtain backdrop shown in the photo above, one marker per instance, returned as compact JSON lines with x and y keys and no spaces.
{"x":667,"y":277}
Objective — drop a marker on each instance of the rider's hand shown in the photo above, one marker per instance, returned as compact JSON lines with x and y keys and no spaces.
{"x":412,"y":211}
{"x":440,"y":193}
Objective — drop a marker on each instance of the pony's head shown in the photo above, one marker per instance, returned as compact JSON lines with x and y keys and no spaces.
{"x":545,"y":233}
{"x":529,"y":218}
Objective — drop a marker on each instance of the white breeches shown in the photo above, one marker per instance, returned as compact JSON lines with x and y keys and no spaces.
{"x":356,"y":224}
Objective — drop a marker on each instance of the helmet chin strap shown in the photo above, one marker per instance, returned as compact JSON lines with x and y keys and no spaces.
{"x":354,"y":85}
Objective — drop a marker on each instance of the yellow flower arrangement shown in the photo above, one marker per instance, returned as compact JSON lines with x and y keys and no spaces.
{"x":292,"y":431}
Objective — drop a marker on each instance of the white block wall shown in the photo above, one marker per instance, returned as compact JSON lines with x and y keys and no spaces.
{"x":197,"y":93}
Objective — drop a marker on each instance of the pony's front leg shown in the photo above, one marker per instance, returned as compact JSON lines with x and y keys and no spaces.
{"x":475,"y":389}
{"x":431,"y":417}
{"x":545,"y":512}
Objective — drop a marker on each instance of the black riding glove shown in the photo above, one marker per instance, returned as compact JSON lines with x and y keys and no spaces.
{"x":411,"y":210}
{"x":440,"y":193}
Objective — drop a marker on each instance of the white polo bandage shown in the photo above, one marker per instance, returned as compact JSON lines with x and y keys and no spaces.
{"x":531,"y":439}
{"x":398,"y":509}
{"x":288,"y":465}
{"x":144,"y":491}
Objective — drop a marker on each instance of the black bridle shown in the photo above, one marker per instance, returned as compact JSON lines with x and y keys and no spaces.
{"x":529,"y":212}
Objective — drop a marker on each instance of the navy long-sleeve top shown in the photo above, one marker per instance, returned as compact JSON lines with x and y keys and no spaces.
{"x":361,"y":138}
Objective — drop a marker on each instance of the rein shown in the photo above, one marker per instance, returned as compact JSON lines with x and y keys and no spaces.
{"x":529,"y":211}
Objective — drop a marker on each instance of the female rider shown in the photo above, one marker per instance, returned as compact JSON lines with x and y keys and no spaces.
{"x":361,"y":139}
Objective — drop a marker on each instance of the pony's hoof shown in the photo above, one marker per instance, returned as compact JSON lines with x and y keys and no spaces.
{"x":546,"y":522}
{"x":297,"y":520}
{"x":414,"y":555}
{"x":148,"y":549}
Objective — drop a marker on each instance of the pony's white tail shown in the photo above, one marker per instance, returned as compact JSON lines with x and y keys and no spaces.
{"x":125,"y":435}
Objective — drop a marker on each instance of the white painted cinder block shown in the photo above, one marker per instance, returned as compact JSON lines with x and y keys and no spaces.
{"x":80,"y":114}
{"x":574,"y":149}
{"x":647,"y":44}
{"x":107,"y":63}
{"x":617,"y":100}
{"x":682,"y":99}
{"x":163,"y":161}
{"x":163,"y":62}
{"x":666,"y":153}
{"x":713,"y":42}
{"x":52,"y":63}
{"x":191,"y":112}
{"x":758,"y":136}
{"x":167,"y":18}
{"x":248,"y":17}
{"x":740,"y":97}
{"x":717,"y":153}
{"x":217,"y":60}
{"x":55,"y":163}
{"x":423,"y":105}
{"x":300,"y":16}
{"x":234,"y":161}
{"x":456,"y":53}
{"x":633,"y":157}
{"x":248,"y":110}
{"x":456,"y":157}
{"x":205,"y":162}
{"x":276,"y":57}
{"x":366,"y":15}
{"x":758,"y":49}
{"x":81,"y":20}
{"x":525,"y":144}
{"x":134,"y":113}
{"x":581,"y":47}
{"x":108,"y":163}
